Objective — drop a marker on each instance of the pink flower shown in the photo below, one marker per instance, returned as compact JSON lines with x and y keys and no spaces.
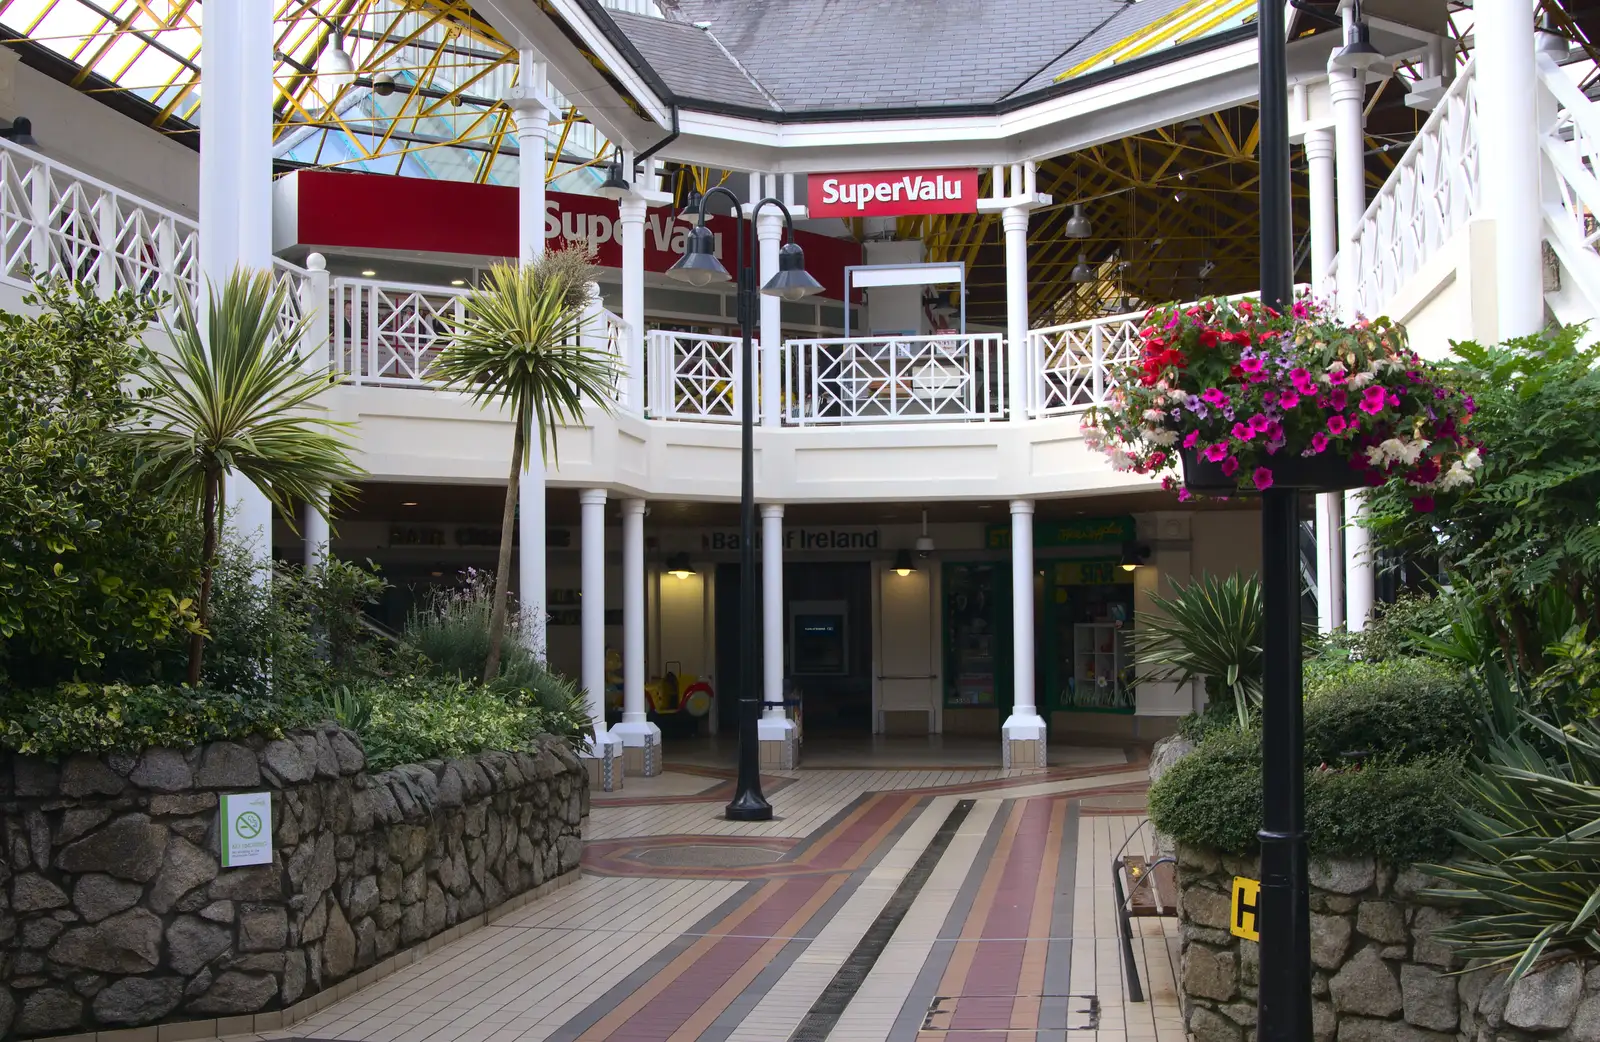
{"x":1259,"y":423}
{"x":1336,"y":424}
{"x":1288,"y":400}
{"x":1213,"y":396}
{"x":1252,"y":365}
{"x":1301,"y":310}
{"x":1216,"y":453}
{"x":1190,"y":439}
{"x":1338,"y":399}
{"x":1319,"y":442}
{"x":1184,"y":495}
{"x":1263,"y":478}
{"x":1243,"y":432}
{"x":1338,"y":376}
{"x":1230,"y":466}
{"x":1373,"y":400}
{"x":1301,"y":379}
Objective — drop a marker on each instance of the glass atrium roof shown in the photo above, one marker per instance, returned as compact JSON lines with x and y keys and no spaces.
{"x":409,"y":87}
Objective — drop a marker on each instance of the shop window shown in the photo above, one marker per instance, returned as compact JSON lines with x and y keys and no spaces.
{"x":977,"y":635}
{"x":1088,"y":624}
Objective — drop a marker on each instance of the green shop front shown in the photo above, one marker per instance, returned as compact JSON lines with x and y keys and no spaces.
{"x":1086,"y":577}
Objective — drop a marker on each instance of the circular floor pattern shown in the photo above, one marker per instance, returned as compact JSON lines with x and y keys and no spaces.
{"x":708,"y":855}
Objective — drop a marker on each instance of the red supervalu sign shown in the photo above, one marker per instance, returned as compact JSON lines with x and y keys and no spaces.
{"x":894,"y":193}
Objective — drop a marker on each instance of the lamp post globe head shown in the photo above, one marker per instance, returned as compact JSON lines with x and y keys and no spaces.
{"x":1078,"y":226}
{"x":615,"y":186}
{"x":699,"y":265}
{"x":691,"y":206}
{"x":792,"y":282}
{"x":1358,"y":52}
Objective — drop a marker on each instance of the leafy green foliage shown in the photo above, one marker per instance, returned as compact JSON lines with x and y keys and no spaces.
{"x":233,"y":398}
{"x":517,"y":346}
{"x":1531,"y":521}
{"x":98,"y":566}
{"x":98,"y":718}
{"x":1385,"y":743}
{"x":413,"y":719}
{"x":1209,"y":629}
{"x":1399,"y":707}
{"x":1529,"y":878}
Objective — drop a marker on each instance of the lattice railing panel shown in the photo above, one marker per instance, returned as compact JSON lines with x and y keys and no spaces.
{"x":696,"y":376}
{"x":390,"y":333}
{"x":1070,"y":364}
{"x":895,"y":379}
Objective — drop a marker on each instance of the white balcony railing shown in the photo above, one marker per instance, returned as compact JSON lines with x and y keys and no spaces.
{"x":696,"y":376}
{"x":911,"y":379}
{"x":1428,"y":197}
{"x":389,"y":332}
{"x":1570,"y":148}
{"x":55,"y":220}
{"x":1069,"y":365}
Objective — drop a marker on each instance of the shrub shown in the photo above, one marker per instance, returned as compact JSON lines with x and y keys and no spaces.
{"x":97,"y":718}
{"x":1399,"y":707}
{"x":414,"y":719}
{"x":93,"y":581}
{"x":1401,"y":811}
{"x":1209,"y":629}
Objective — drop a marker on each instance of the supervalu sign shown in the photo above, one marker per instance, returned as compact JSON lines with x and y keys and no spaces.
{"x":893,"y":193}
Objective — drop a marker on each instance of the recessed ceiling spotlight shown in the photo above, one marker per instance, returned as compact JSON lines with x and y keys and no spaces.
{"x":409,"y":503}
{"x":367,"y":273}
{"x":458,"y":282}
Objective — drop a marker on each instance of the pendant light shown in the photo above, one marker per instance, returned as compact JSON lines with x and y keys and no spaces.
{"x":903,"y":565}
{"x":1081,"y":272}
{"x":1078,"y":226}
{"x":1358,"y":52}
{"x":679,"y":565}
{"x":615,"y":186}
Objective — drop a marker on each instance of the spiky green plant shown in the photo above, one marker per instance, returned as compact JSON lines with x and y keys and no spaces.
{"x":1209,"y":629}
{"x":234,"y":398}
{"x":516,"y":346}
{"x":1529,"y":878}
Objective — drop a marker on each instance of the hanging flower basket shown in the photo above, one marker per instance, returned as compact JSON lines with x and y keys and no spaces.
{"x":1249,"y":399}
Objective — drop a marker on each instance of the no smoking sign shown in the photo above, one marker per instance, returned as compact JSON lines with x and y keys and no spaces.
{"x":246,"y":827}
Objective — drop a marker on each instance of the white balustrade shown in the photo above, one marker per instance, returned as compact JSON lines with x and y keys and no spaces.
{"x":58,"y":221}
{"x":696,"y":376}
{"x":390,"y":332}
{"x":1570,"y":172}
{"x":1428,"y":197}
{"x":909,"y":379}
{"x":1070,"y":364}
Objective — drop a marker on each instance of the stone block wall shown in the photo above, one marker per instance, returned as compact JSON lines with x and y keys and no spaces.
{"x":1377,"y":973}
{"x":115,"y":911}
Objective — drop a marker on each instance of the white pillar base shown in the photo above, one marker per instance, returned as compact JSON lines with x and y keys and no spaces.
{"x":641,"y":747}
{"x":604,"y":760}
{"x":780,"y":744}
{"x":1022,"y":741}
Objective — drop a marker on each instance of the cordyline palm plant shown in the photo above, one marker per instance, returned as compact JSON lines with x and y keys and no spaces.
{"x":234,"y":398}
{"x":1529,"y":880}
{"x":1210,"y":629}
{"x":516,"y":345}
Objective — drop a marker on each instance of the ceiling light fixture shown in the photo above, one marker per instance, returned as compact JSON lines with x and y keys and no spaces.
{"x":458,"y":282}
{"x":615,"y":186}
{"x":367,"y":273}
{"x":1078,"y":226}
{"x":903,"y":565}
{"x":20,"y":132}
{"x":409,"y":503}
{"x":1134,"y":555}
{"x":1081,"y":272}
{"x":1358,"y":52}
{"x":680,"y":566}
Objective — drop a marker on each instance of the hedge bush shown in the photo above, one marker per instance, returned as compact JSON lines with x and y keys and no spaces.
{"x":1401,"y":811}
{"x":1402,"y":707}
{"x":98,"y":718}
{"x":1411,"y":725}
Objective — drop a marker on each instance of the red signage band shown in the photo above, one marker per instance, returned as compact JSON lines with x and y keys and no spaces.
{"x":379,"y":211}
{"x":894,"y":193}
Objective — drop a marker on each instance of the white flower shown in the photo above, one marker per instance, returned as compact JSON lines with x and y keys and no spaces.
{"x":1458,"y":475}
{"x":1154,"y":415}
{"x":1375,"y":455}
{"x":1405,"y":452}
{"x":1161,"y":437}
{"x":1358,"y":381}
{"x":1473,"y":461}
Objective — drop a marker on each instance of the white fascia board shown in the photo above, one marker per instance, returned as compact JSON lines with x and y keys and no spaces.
{"x":523,"y":24}
{"x":875,"y":275}
{"x":1205,"y":82}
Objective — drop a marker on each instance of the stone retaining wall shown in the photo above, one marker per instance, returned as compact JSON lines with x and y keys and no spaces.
{"x":1377,"y":973}
{"x":116,"y":912}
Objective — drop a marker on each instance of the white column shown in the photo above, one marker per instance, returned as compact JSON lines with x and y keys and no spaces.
{"x":631,"y":212}
{"x":314,"y":529}
{"x":1360,"y":570}
{"x":533,"y":123}
{"x":236,"y":197}
{"x":1324,"y":245}
{"x":635,"y":730}
{"x":1024,"y":725}
{"x":592,"y":516}
{"x":1347,"y":96}
{"x":776,"y":732}
{"x":1014,"y":219}
{"x":769,"y":234}
{"x":1507,"y":107}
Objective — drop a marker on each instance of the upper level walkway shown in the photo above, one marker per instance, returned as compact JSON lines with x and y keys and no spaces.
{"x":884,"y":905}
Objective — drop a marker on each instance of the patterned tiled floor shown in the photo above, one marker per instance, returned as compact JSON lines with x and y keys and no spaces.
{"x":963,"y":904}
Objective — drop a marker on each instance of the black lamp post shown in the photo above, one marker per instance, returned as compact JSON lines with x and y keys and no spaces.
{"x":1284,"y":998}
{"x":699,"y":267}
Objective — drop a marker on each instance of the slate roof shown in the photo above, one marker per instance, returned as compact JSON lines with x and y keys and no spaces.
{"x":798,"y":56}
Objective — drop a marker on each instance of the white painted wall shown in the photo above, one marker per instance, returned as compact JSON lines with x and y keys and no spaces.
{"x":907,"y":657}
{"x":75,"y":129}
{"x":894,"y":309}
{"x":682,"y":624}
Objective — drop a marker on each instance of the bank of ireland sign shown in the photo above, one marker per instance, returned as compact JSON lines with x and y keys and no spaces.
{"x":893,"y":193}
{"x":246,"y":829}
